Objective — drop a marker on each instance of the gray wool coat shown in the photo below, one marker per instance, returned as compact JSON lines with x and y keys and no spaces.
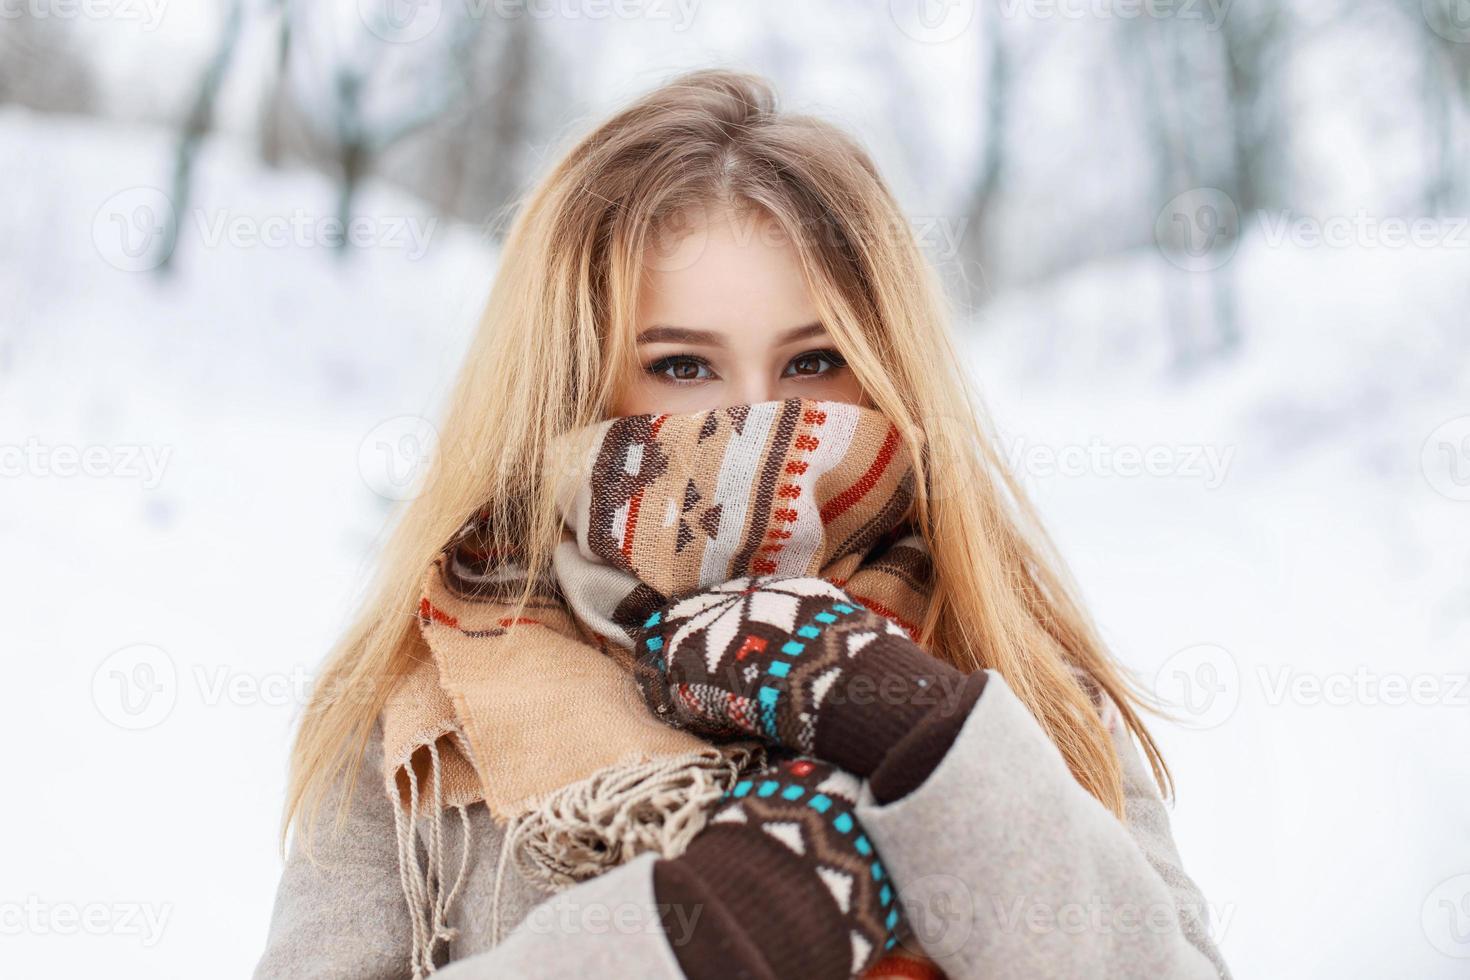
{"x":1006,"y":867}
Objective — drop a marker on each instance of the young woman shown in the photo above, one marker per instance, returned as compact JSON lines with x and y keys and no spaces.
{"x":719,"y":641}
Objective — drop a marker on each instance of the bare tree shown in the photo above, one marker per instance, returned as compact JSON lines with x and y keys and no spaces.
{"x":973,"y":260}
{"x":41,"y":67}
{"x":196,"y":126}
{"x":1443,"y":34}
{"x":472,"y":161}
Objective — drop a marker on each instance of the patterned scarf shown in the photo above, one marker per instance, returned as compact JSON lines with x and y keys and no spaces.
{"x":541,"y":717}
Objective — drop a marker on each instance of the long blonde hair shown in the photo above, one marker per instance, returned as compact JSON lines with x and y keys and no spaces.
{"x":554,"y":344}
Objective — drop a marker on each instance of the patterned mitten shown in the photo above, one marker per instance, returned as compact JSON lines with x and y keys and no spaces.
{"x":782,"y":882}
{"x":798,"y":662}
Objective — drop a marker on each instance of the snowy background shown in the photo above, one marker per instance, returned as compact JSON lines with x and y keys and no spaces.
{"x":1210,"y":267}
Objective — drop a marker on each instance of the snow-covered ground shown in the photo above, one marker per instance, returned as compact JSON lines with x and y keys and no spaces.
{"x":197,"y":470}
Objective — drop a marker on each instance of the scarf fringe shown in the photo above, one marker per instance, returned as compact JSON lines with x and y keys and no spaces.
{"x":617,"y":813}
{"x":423,"y":885}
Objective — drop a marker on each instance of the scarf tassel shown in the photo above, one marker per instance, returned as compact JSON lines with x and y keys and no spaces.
{"x":423,"y":884}
{"x":595,"y":824}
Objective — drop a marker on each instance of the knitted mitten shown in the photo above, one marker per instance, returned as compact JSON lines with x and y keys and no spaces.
{"x":798,"y":662}
{"x":781,"y":883}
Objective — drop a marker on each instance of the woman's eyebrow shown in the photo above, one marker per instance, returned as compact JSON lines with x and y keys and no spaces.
{"x":802,"y":333}
{"x":663,"y":333}
{"x":660,"y":333}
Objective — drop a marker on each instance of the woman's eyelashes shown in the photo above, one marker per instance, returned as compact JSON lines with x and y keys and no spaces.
{"x":809,"y":364}
{"x":691,"y":368}
{"x":680,"y":369}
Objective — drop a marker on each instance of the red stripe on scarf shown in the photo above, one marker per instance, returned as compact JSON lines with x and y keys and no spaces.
{"x":637,"y":500}
{"x":632,"y":523}
{"x":839,"y":504}
{"x":429,"y":611}
{"x":882,"y":610}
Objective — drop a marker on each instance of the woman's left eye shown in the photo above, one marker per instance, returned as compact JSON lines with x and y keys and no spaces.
{"x":815,"y":362}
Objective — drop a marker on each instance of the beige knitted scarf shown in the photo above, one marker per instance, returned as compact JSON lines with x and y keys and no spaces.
{"x":541,"y":717}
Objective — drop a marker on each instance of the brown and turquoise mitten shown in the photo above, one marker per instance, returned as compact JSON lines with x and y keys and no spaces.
{"x":798,"y":662}
{"x":782,"y":882}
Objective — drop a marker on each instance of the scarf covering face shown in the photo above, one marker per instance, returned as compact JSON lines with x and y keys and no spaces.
{"x":541,"y":717}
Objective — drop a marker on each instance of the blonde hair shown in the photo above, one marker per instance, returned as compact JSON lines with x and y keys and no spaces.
{"x":555,"y":342}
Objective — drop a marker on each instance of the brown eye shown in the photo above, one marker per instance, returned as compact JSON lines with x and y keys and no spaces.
{"x":815,"y":362}
{"x":680,"y":368}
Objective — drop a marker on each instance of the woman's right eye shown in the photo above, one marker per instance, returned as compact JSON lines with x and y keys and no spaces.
{"x":680,"y":369}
